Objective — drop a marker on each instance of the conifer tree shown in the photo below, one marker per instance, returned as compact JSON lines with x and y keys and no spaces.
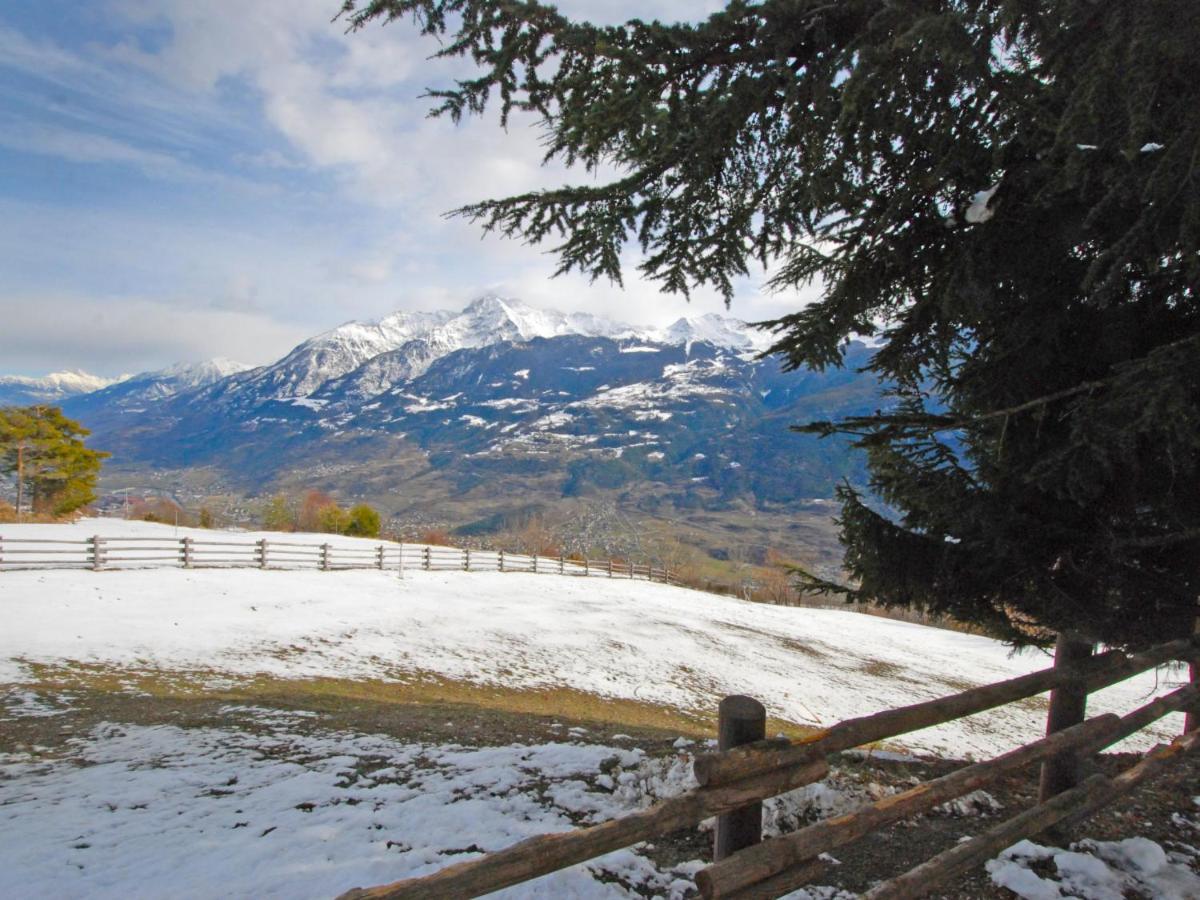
{"x":1004,"y":193}
{"x":45,"y":454}
{"x":364,"y":521}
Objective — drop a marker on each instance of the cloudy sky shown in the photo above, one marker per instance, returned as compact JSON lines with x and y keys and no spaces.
{"x":182,"y":179}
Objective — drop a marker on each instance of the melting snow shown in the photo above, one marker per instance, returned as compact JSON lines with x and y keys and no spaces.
{"x":162,"y":810}
{"x":1095,"y":870}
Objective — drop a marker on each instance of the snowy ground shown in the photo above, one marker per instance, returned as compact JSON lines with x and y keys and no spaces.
{"x":274,"y":804}
{"x":293,"y":812}
{"x":1099,"y":870}
{"x":618,"y":639}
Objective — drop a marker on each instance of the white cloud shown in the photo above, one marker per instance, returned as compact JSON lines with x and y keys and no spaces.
{"x":346,"y":220}
{"x":104,"y":334}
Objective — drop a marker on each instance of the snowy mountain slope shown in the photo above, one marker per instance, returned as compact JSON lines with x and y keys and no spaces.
{"x":600,"y":412}
{"x":720,"y":331}
{"x":22,"y":390}
{"x":135,"y":392}
{"x":414,"y":339}
{"x":616,"y":639}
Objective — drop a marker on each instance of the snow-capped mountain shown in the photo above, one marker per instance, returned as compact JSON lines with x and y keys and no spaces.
{"x":553,"y":403}
{"x":720,"y":331}
{"x":133,"y":393}
{"x":23,"y":390}
{"x":413,"y":340}
{"x":360,"y":360}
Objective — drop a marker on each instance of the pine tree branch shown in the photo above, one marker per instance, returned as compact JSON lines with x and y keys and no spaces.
{"x":1161,"y":540}
{"x":889,"y":427}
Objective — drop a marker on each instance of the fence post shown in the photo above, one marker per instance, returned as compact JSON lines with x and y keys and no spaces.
{"x":501,"y":560}
{"x":324,"y":557}
{"x":610,"y":567}
{"x":562,"y":564}
{"x":631,"y":570}
{"x":97,"y":552}
{"x":379,"y":559}
{"x":262,"y":553}
{"x":740,"y":720}
{"x":428,"y":561}
{"x":586,"y":571}
{"x":1068,"y":706}
{"x":187,"y":552}
{"x":535,"y":564}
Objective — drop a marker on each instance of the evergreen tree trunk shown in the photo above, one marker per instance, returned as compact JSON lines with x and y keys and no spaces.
{"x":1068,"y":706}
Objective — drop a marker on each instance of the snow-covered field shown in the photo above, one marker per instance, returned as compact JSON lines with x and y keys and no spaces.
{"x":275,"y":804}
{"x":619,"y":639}
{"x":158,"y":811}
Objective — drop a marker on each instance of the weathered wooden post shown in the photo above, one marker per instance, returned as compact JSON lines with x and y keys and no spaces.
{"x":501,"y":560}
{"x":631,"y":570}
{"x":1068,"y":706}
{"x":586,"y":571}
{"x":562,"y":564}
{"x":610,"y":567}
{"x":262,"y":553}
{"x":466,"y":559}
{"x":379,"y":558}
{"x":535,"y":571}
{"x":740,"y":720}
{"x":97,"y":550}
{"x":324,"y":557}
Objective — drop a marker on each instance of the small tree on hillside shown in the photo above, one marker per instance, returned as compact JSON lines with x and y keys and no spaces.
{"x":311,"y":510}
{"x":278,"y":515}
{"x":363,"y":521}
{"x":44,"y":452}
{"x":332,"y":519}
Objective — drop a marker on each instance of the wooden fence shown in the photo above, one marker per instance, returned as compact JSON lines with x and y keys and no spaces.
{"x":737,"y":779}
{"x":99,"y":553}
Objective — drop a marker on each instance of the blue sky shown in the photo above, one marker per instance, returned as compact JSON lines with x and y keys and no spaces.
{"x":181,"y":179}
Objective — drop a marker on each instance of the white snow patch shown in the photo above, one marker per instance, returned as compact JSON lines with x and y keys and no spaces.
{"x":979,"y":212}
{"x":138,"y":810}
{"x":1095,"y":870}
{"x":308,"y":403}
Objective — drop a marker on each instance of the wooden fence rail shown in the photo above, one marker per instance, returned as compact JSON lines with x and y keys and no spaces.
{"x":737,"y":779}
{"x":99,"y":552}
